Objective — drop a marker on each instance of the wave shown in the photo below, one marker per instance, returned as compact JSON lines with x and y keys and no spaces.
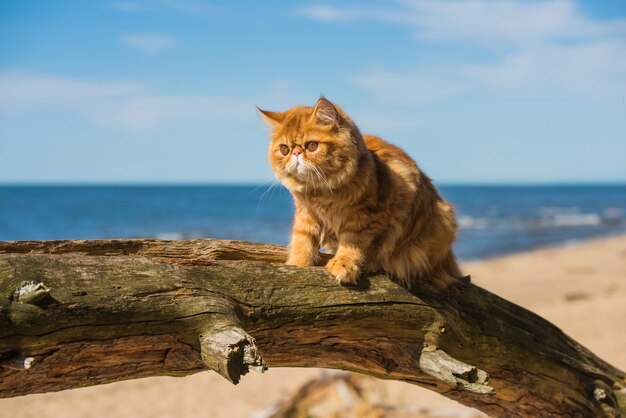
{"x":574,"y":219}
{"x":174,"y":236}
{"x":470,"y":222}
{"x":558,"y":210}
{"x":544,"y":220}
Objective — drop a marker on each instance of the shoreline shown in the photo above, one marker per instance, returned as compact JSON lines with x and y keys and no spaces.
{"x":572,"y":242}
{"x":579,"y":286}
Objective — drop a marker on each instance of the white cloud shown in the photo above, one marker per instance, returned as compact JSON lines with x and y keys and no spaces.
{"x":334,"y":14}
{"x":595,"y":70}
{"x":24,"y":92}
{"x":148,"y":43}
{"x":508,"y":21}
{"x":412,"y":87}
{"x":484,"y":21}
{"x":543,"y":48}
{"x":124,"y":105}
{"x":148,"y":111}
{"x":382,"y":122}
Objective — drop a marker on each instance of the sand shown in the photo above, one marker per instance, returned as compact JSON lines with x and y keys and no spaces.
{"x":580,"y":287}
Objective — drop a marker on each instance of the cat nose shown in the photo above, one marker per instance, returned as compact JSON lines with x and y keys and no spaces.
{"x":297,"y":152}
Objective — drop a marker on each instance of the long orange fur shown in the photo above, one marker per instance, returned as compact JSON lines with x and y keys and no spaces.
{"x":361,"y":198}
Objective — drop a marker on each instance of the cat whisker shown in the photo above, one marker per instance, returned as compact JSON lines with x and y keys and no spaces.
{"x":320,"y":174}
{"x":265,"y":183}
{"x":271,"y":189}
{"x":310,"y":170}
{"x":314,"y":171}
{"x":272,"y":186}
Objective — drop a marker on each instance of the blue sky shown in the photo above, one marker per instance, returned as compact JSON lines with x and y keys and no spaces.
{"x":164,"y":91}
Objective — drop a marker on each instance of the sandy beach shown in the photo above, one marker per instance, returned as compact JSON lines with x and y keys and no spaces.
{"x":580,"y":287}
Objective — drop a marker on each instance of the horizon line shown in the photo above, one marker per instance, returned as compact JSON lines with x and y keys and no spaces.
{"x":514,"y":183}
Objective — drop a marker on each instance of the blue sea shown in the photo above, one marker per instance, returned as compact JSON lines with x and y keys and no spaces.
{"x":494,"y":220}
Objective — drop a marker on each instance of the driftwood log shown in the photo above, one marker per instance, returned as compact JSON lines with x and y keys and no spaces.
{"x":80,"y":313}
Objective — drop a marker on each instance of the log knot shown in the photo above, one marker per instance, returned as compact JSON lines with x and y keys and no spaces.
{"x":30,"y":292}
{"x":440,"y":365}
{"x":231,"y":352}
{"x":608,"y":399}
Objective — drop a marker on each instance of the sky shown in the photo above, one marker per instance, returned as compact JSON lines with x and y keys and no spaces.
{"x":164,"y":91}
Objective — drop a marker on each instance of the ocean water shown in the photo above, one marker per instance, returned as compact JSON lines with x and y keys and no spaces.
{"x":494,"y":220}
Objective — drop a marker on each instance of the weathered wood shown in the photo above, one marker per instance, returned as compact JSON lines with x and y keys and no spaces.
{"x":91,"y":312}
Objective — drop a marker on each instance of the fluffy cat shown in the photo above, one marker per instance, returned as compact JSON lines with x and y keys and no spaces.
{"x":361,"y":198}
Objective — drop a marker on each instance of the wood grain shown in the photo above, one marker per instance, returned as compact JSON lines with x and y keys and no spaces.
{"x":124,"y":309}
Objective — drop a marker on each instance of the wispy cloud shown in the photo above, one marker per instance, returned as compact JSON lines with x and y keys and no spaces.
{"x":326,"y":13}
{"x":124,"y":105}
{"x":148,"y":43}
{"x":509,"y":21}
{"x":416,"y":87}
{"x":537,"y":48}
{"x":594,"y":71}
{"x":486,"y":21}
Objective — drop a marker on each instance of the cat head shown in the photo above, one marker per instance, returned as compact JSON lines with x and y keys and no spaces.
{"x":313,"y":149}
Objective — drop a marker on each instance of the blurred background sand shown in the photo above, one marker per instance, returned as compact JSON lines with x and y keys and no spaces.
{"x":580,"y":287}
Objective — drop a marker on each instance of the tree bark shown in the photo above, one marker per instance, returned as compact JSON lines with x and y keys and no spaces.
{"x":80,"y":313}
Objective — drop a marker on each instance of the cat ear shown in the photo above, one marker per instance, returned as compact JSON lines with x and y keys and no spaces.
{"x":325,"y":112}
{"x":272,"y":118}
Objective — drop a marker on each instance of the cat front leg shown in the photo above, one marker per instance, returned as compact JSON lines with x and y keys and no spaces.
{"x":305,"y":236}
{"x":347,"y":263}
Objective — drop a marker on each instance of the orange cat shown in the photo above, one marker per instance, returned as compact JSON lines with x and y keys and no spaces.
{"x":361,"y":198}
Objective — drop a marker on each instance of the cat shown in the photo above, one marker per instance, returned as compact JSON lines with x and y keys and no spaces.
{"x":361,"y":198}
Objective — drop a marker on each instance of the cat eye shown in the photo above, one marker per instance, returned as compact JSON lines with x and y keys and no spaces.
{"x":284,"y":149}
{"x":311,"y":145}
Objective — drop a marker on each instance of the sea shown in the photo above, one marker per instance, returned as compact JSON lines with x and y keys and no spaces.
{"x":493,"y":220}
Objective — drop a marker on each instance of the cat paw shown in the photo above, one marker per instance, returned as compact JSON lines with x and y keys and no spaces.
{"x":345,"y":271}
